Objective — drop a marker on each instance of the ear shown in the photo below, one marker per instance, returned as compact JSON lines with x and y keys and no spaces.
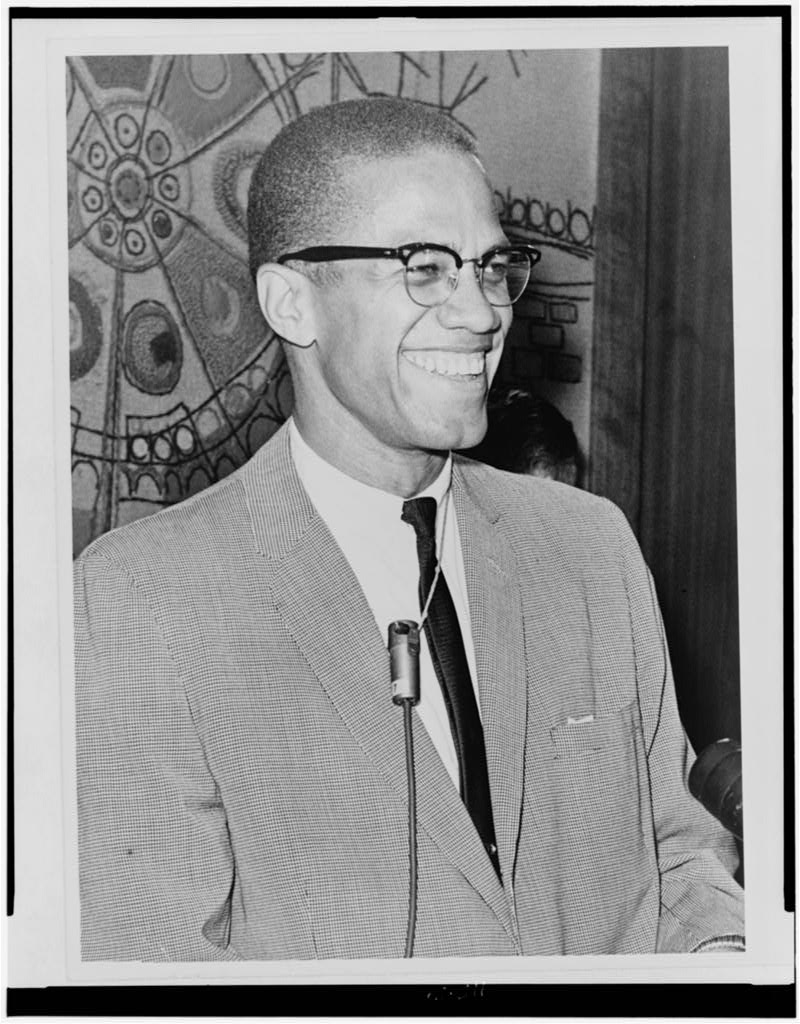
{"x":284,"y":297}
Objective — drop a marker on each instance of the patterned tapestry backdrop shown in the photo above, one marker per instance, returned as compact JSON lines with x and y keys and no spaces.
{"x":176,"y":379}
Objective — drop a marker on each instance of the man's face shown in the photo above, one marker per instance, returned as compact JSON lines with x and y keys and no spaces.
{"x":385,"y":369}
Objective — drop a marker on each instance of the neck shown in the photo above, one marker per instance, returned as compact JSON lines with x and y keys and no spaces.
{"x":401,"y":472}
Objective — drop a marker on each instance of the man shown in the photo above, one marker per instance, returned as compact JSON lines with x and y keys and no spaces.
{"x":242,"y":782}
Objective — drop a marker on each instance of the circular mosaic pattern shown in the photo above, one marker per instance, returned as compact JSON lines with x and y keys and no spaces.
{"x":208,"y":424}
{"x":109,"y":231}
{"x":556,"y":222}
{"x":140,"y":173}
{"x":580,"y":227}
{"x":135,"y":243}
{"x":237,"y":400}
{"x":221,"y":306}
{"x":152,"y":350}
{"x":169,"y":188}
{"x":98,"y":156}
{"x":195,"y":364}
{"x":139,"y":449}
{"x":126,"y":129}
{"x":161,"y":224}
{"x":85,"y":330}
{"x":184,"y":439}
{"x":92,"y":199}
{"x":232,"y":172}
{"x":162,"y":448}
{"x":129,"y":186}
{"x":159,"y":148}
{"x":208,"y":73}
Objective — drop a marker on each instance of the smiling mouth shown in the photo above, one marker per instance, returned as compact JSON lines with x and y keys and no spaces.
{"x":463,"y":365}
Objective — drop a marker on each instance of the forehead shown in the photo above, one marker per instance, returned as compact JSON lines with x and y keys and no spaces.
{"x":429,"y":195}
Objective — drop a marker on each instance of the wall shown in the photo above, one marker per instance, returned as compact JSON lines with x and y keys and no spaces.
{"x":546,"y":156}
{"x":663,"y":424}
{"x":176,"y":379}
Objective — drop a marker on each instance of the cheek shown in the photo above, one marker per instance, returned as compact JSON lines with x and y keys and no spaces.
{"x":493,"y":359}
{"x":346,"y":340}
{"x":361,"y":356}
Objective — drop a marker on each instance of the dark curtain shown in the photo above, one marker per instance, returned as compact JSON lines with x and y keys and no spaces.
{"x":663,"y":443}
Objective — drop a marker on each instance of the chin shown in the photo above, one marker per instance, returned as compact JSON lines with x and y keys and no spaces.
{"x":473,"y":433}
{"x":456,"y":439}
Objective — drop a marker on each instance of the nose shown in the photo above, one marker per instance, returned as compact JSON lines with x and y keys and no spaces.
{"x":467,"y":306}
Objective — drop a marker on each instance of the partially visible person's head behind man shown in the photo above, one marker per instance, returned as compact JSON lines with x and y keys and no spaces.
{"x":392,"y":354}
{"x":527,"y":434}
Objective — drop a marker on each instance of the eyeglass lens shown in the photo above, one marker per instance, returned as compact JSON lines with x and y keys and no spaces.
{"x":432,"y":275}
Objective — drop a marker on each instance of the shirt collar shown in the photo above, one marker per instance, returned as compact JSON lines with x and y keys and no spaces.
{"x":326,"y":484}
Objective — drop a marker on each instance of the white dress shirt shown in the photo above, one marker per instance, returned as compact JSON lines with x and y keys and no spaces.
{"x":382,"y":551}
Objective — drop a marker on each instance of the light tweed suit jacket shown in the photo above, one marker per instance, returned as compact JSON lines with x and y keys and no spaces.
{"x":241,"y":774}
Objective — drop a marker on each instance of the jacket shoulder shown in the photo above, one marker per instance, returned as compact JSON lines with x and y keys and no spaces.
{"x":211,"y":526}
{"x":518,"y":495}
{"x":204,"y":523}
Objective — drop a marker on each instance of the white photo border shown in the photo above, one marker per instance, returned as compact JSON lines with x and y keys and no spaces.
{"x":42,"y":935}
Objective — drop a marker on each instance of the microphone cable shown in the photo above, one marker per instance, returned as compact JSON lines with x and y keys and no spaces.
{"x":412,"y":829}
{"x":404,"y":661}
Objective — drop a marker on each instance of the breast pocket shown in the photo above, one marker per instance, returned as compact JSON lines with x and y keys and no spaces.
{"x":602,"y":784}
{"x":592,"y":823}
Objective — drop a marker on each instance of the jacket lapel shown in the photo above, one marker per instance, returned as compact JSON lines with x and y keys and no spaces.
{"x":498,"y":635}
{"x":443,"y":815}
{"x":323,"y":606}
{"x":327,"y":615}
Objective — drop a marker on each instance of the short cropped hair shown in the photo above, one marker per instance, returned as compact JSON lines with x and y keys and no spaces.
{"x":527,"y":434}
{"x":299,"y":195}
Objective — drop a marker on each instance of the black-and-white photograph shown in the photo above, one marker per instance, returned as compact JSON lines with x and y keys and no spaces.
{"x":274,"y":332}
{"x":402,"y":449}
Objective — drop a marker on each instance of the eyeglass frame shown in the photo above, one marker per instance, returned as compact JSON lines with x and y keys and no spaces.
{"x":333,"y":253}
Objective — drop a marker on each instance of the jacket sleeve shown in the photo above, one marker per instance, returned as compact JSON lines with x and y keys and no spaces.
{"x":156,"y":865}
{"x":702,"y":907}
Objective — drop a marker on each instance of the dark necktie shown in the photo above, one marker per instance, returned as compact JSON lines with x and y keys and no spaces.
{"x":452,"y":670}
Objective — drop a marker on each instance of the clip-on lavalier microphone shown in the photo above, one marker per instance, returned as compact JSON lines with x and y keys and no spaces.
{"x":404,"y":669}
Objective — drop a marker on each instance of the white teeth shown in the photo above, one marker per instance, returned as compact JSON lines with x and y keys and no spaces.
{"x":449,"y":364}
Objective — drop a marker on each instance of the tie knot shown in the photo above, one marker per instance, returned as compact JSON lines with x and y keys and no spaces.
{"x":421,"y":514}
